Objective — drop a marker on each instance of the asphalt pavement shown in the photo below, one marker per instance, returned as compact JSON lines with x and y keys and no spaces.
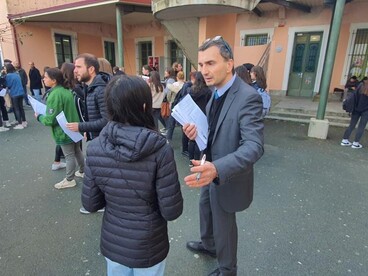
{"x":308,"y":217}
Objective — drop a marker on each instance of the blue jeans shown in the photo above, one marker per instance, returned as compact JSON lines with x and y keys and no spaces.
{"x":116,"y":269}
{"x":25,"y":95}
{"x":361,"y":127}
{"x":37,"y":93}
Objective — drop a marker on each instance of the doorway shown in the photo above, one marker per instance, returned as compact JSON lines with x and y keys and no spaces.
{"x":304,"y":64}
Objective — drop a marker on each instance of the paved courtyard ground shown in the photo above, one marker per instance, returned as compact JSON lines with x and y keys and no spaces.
{"x":309,"y":215}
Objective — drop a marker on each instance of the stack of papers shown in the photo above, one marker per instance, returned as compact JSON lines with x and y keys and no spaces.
{"x":75,"y":136}
{"x":37,"y":106}
{"x":187,"y":111}
{"x":40,"y":108}
{"x":2,"y":92}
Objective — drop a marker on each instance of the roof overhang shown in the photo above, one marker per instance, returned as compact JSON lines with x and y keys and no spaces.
{"x":90,"y":11}
{"x":171,"y":9}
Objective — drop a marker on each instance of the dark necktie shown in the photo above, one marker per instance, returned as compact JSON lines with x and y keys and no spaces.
{"x":216,"y":95}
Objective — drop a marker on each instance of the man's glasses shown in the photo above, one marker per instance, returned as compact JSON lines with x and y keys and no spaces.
{"x":223,"y":42}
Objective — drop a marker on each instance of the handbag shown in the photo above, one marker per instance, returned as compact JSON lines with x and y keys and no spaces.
{"x":165,"y":108}
{"x":8,"y":102}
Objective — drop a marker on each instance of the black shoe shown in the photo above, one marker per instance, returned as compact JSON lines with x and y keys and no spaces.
{"x":216,"y":272}
{"x":198,"y":247}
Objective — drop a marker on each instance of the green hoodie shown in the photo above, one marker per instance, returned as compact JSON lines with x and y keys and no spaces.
{"x":59,"y":99}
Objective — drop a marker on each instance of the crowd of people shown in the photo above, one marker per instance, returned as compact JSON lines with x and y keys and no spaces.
{"x":129,"y":171}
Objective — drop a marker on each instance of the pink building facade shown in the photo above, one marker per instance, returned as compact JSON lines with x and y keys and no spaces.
{"x":289,"y":42}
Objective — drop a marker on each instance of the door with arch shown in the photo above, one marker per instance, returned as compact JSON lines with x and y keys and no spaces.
{"x":304,"y":64}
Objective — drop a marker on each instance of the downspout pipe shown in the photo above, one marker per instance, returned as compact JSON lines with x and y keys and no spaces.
{"x":16,"y":42}
{"x":119,"y":34}
{"x":330,"y":57}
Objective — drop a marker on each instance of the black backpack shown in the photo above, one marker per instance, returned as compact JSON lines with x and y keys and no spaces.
{"x":79,"y":104}
{"x":350,"y":102}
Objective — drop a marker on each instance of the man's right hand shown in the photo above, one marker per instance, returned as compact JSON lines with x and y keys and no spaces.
{"x":190,"y":131}
{"x":73,"y":126}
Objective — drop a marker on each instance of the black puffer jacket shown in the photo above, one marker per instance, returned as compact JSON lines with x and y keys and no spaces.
{"x":362,"y":104}
{"x":95,"y":108}
{"x":131,"y":172}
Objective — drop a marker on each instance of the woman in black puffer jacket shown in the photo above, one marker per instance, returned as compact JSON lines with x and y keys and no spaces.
{"x":130,"y":170}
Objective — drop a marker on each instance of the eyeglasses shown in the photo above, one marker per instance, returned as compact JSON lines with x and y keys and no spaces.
{"x":224,"y":43}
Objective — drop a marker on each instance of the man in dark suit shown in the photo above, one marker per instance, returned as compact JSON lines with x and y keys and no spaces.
{"x":35,"y":81}
{"x":235,"y":143}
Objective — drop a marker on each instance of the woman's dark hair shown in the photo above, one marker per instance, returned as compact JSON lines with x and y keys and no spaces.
{"x":199,"y":83}
{"x":156,"y":81}
{"x":9,"y":68}
{"x":260,"y":76}
{"x":243,"y":73}
{"x":147,"y":67}
{"x":171,"y":73}
{"x":68,"y":73}
{"x":56,"y":75}
{"x":129,"y":101}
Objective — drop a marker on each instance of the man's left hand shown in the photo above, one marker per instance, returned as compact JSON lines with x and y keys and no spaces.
{"x":208,"y":174}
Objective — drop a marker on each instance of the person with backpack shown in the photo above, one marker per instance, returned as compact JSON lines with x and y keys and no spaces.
{"x":259,"y":83}
{"x":87,"y":72}
{"x":359,"y":113}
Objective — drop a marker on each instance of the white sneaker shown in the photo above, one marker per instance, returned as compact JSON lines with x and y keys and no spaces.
{"x":7,"y":124}
{"x":65,"y":184}
{"x":79,"y":174}
{"x":24,"y":124}
{"x":14,"y":123}
{"x":356,"y":145}
{"x":84,"y":211}
{"x":58,"y":166}
{"x":19,"y":126}
{"x":2,"y":129}
{"x":345,"y":143}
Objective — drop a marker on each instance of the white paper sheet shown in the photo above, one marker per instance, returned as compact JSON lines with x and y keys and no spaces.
{"x":187,"y":111}
{"x":3,"y":92}
{"x":37,"y":106}
{"x":75,"y":136}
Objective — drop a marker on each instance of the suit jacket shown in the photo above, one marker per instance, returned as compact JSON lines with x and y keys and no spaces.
{"x":237,"y":144}
{"x":35,"y":79}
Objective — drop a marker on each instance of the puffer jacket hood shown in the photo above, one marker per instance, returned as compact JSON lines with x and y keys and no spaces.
{"x":132,"y":144}
{"x":106,"y":77}
{"x":97,"y":81}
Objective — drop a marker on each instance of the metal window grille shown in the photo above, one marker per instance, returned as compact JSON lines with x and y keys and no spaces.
{"x":145,"y":51}
{"x":176,"y":54}
{"x":110,"y":52}
{"x":63,"y":45}
{"x":256,"y":39}
{"x":359,"y":56}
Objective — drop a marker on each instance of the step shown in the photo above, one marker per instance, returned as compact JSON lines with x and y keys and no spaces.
{"x":305,"y":118}
{"x":309,"y":112}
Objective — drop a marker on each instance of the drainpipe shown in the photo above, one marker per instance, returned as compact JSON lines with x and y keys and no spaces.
{"x":119,"y":33}
{"x":330,"y":57}
{"x":16,"y":42}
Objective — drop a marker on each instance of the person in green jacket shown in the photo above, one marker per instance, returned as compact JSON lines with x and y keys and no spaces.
{"x":61,"y":99}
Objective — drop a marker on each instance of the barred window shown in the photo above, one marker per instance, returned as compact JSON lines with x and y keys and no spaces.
{"x":359,"y":55}
{"x":256,"y":39}
{"x":63,"y":45}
